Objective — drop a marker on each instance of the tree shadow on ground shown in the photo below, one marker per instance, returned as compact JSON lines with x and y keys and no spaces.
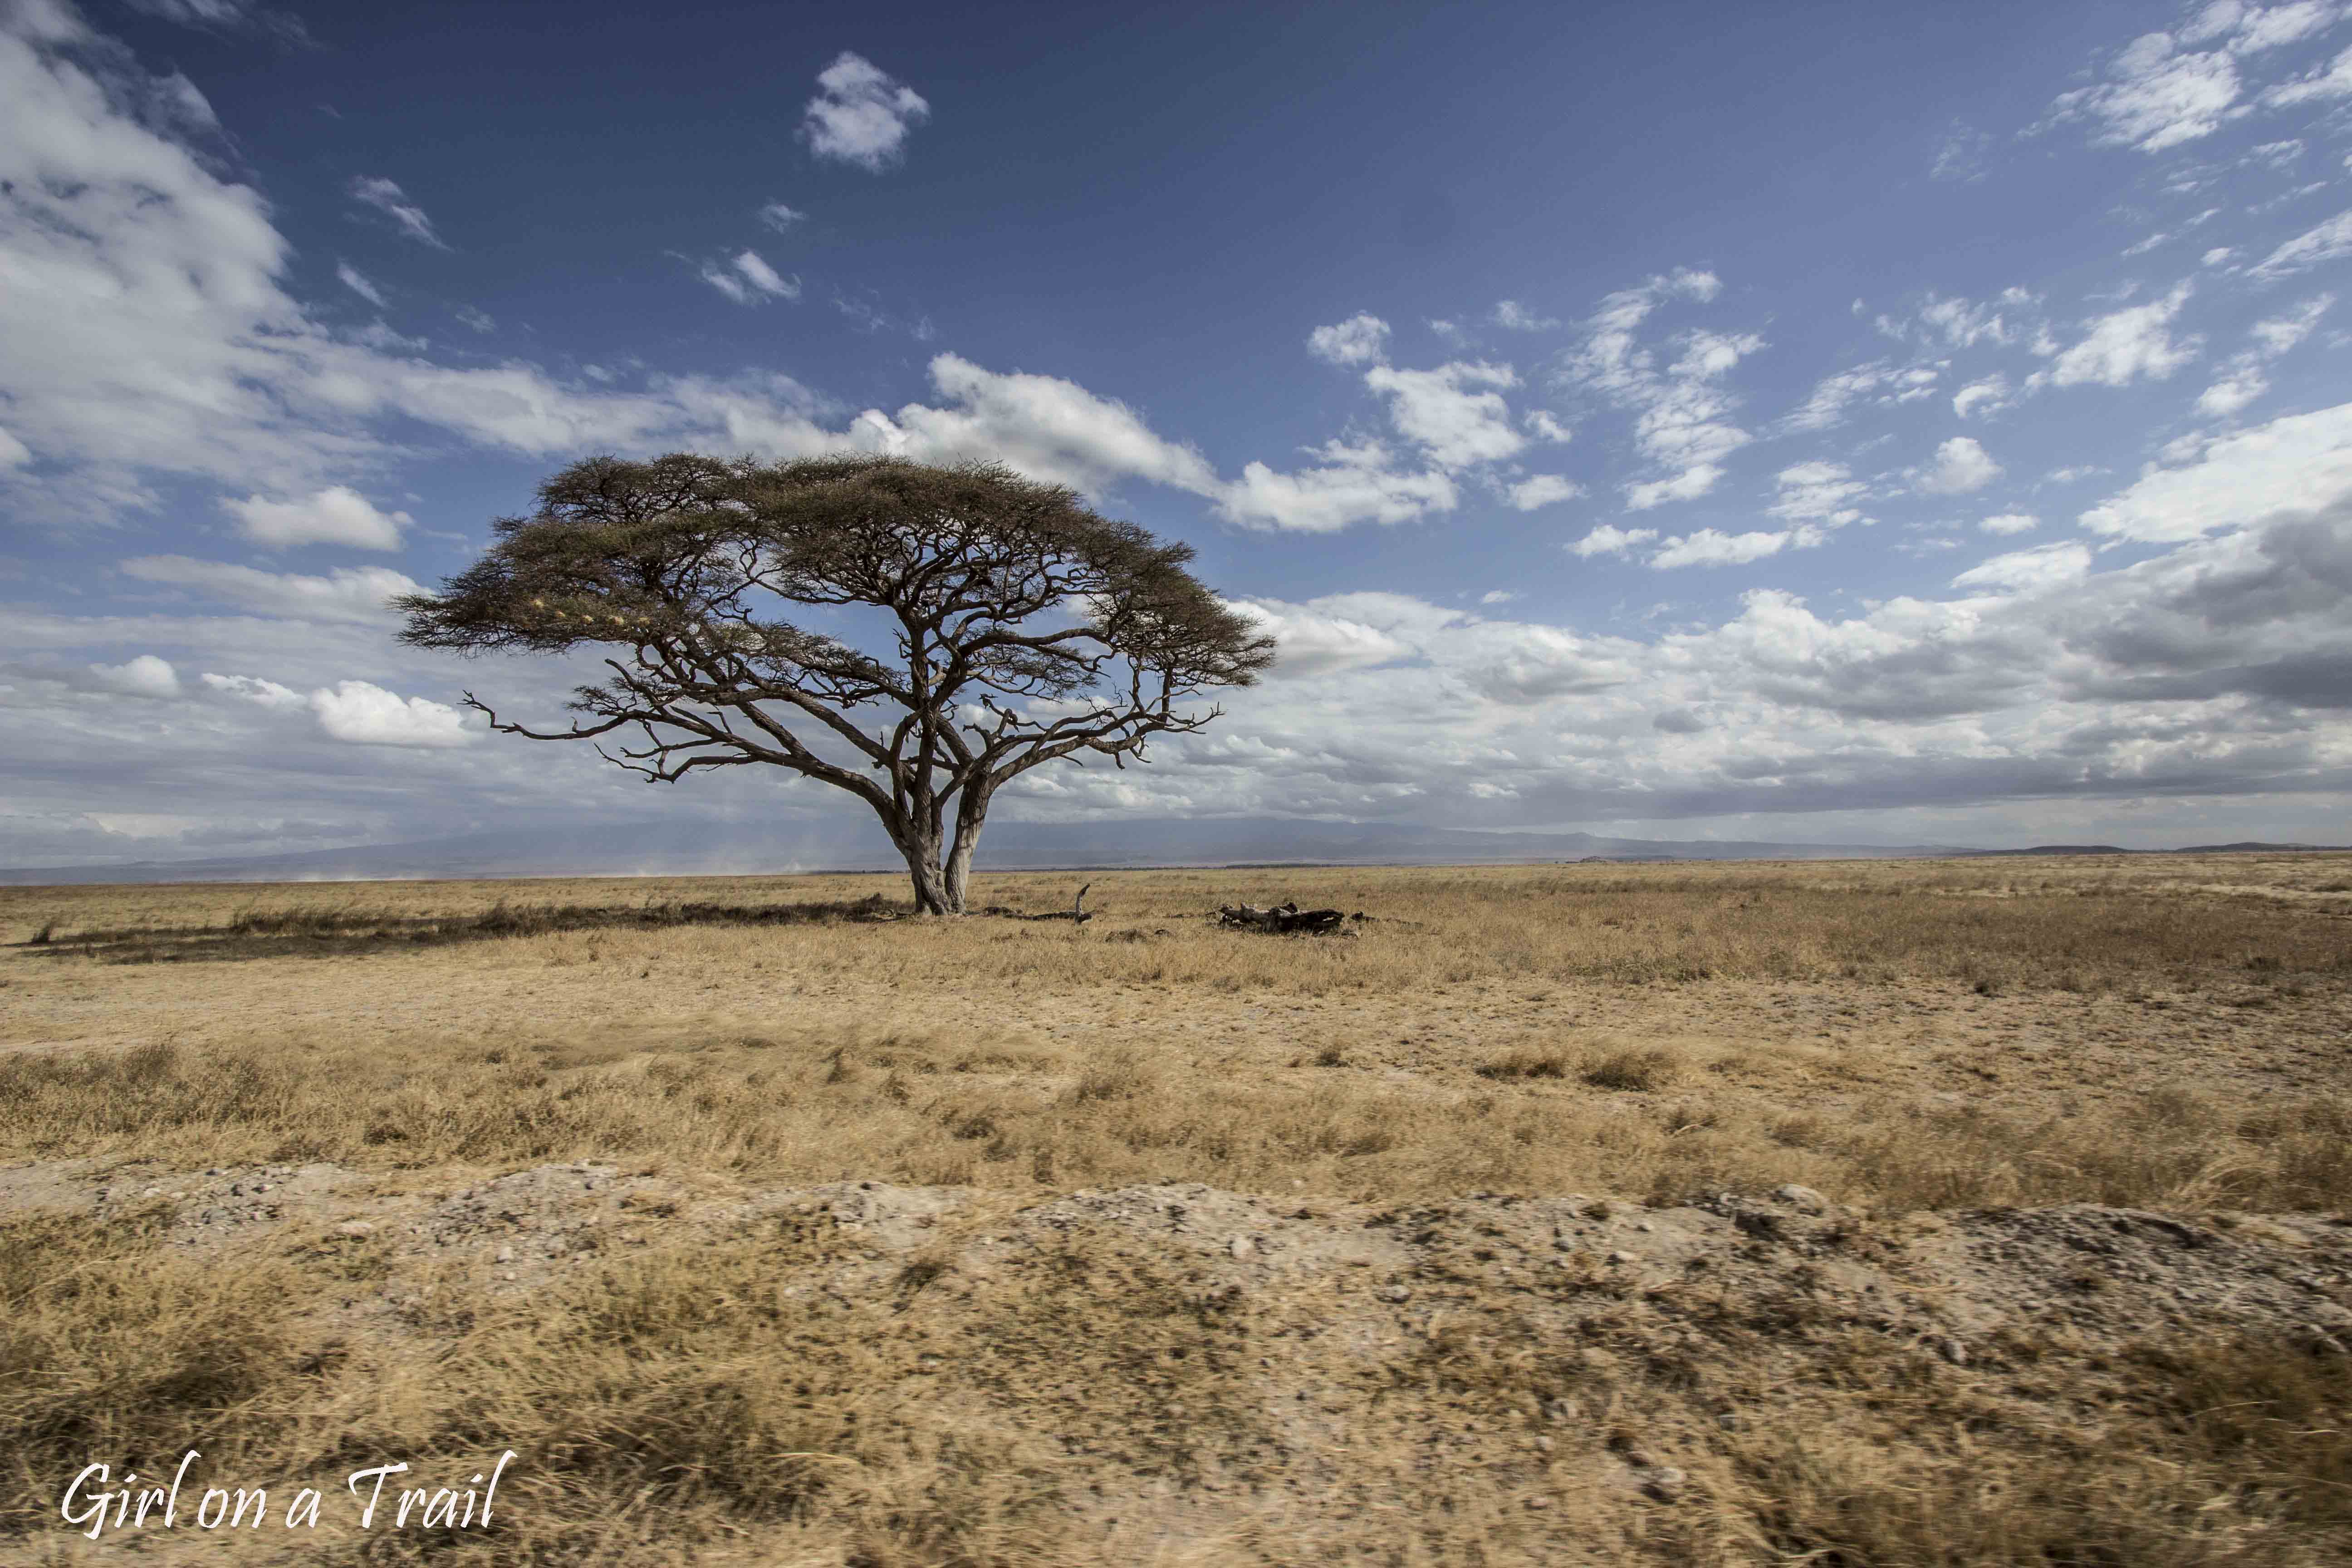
{"x":322,"y":934}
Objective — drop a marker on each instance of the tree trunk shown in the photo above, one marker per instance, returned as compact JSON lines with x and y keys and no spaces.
{"x":932,"y":893}
{"x":956,"y":874}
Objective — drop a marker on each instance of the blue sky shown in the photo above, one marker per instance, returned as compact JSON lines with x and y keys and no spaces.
{"x":1824,"y":422}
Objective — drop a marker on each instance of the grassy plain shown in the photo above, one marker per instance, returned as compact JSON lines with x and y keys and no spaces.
{"x":1907,"y":1038}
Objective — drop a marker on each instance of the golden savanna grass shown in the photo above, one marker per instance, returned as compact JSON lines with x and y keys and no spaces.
{"x":2160,"y":1032}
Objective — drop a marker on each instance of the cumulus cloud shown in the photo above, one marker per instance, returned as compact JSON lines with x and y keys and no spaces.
{"x":359,"y":595}
{"x":781,"y":217}
{"x":1983,"y":397}
{"x":1348,"y":485}
{"x":2010,"y":523}
{"x":861,"y":115}
{"x":1359,"y":340}
{"x":1546,"y":428}
{"x":1961,"y":465}
{"x":1543,"y":489}
{"x":1444,"y":411}
{"x":336,"y":515}
{"x":145,"y":676}
{"x":1611,"y":539}
{"x":2298,"y":466}
{"x":2124,"y":347}
{"x":385,"y":196}
{"x":1712,"y":547}
{"x":361,"y":714}
{"x":2241,"y":384}
{"x":1312,"y":641}
{"x":1817,"y":494}
{"x":1047,"y":427}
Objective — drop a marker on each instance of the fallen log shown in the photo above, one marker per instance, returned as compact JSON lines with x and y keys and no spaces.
{"x":1281,"y":919}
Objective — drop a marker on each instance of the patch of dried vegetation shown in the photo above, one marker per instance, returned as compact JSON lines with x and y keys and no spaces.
{"x":732,"y":1370}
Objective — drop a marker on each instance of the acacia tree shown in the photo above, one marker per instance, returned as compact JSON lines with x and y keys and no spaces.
{"x":1023,"y":628}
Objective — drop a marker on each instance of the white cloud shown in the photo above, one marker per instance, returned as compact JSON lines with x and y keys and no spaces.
{"x":1984,"y":396}
{"x":1609,"y":540}
{"x":1961,"y":465}
{"x":2240,"y":385}
{"x":1543,"y":489}
{"x":861,"y":115}
{"x":255,"y":690}
{"x":1439,"y":411}
{"x":1681,"y":412}
{"x":2331,"y":80}
{"x":145,"y":676}
{"x":1546,"y":428}
{"x":2331,"y":241}
{"x":1819,"y":493}
{"x":225,"y":15}
{"x":748,"y":279}
{"x":1832,"y":394}
{"x":2011,"y":523}
{"x":1517,"y":318}
{"x":1045,"y":426}
{"x":1961,"y":324}
{"x":357,"y":283}
{"x":14,"y":453}
{"x":2299,"y":466}
{"x":2278,"y":334}
{"x":1712,"y":547}
{"x":336,"y":515}
{"x":1497,"y":596}
{"x":780,"y":218}
{"x":2121,"y":348}
{"x":2156,"y":98}
{"x":361,"y":714}
{"x":1359,"y":340}
{"x":1312,"y":641}
{"x":1352,"y":484}
{"x":389,"y":199}
{"x":358,"y":594}
{"x":2044,"y":566}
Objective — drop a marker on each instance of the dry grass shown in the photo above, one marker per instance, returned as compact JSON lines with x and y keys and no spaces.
{"x":1899,"y":1035}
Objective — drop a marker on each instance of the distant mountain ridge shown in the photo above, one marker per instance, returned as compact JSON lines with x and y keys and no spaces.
{"x":702,"y":847}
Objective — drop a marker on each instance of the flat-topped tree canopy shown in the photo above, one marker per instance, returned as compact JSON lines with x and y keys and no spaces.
{"x":1023,"y":628}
